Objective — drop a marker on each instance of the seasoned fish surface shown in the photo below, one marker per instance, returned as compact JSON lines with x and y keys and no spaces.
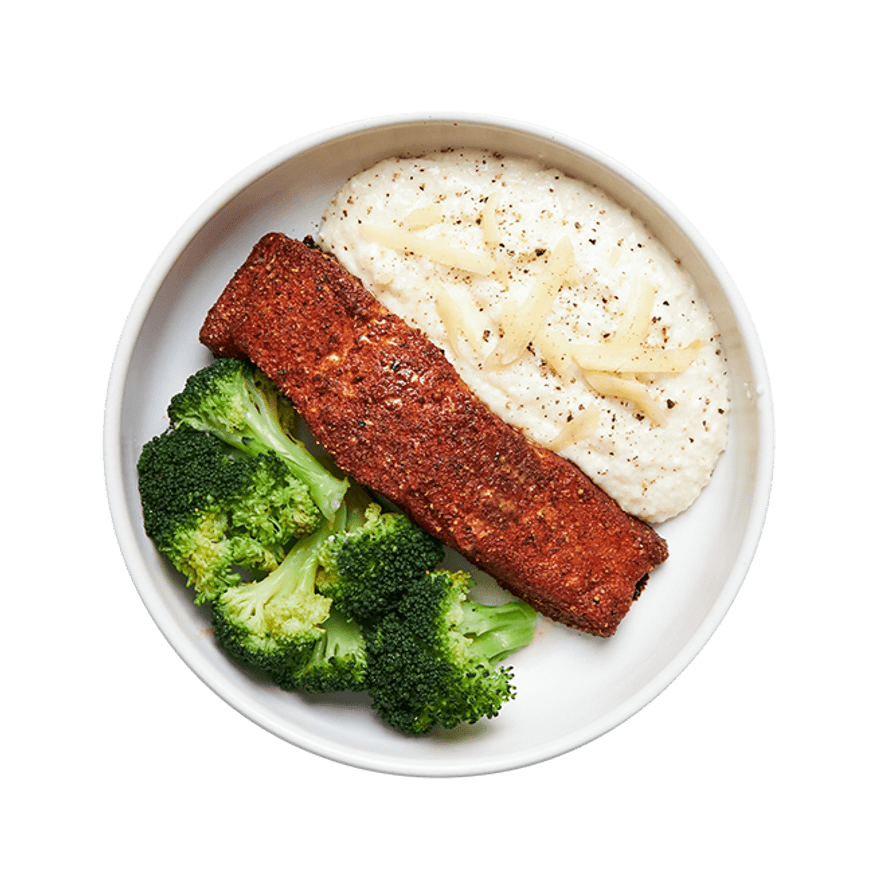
{"x":387,"y":405}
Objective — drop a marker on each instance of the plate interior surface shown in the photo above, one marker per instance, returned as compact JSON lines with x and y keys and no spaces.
{"x":571,"y":687}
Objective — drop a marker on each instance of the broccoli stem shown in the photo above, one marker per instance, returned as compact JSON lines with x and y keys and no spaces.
{"x":267,"y":435}
{"x":294,"y":577}
{"x":342,"y":636}
{"x":497,"y":631}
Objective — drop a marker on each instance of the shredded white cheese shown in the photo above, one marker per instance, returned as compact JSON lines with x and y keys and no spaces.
{"x":489,"y":221}
{"x":579,"y":426}
{"x":439,"y":251}
{"x":609,"y":385}
{"x":423,"y":217}
{"x":520,"y":320}
{"x":635,"y":322}
{"x":613,"y":357}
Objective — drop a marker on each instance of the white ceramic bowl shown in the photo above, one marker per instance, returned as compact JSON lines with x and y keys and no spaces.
{"x":571,"y":687}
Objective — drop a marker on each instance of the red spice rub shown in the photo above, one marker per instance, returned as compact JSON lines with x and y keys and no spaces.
{"x":391,"y":410}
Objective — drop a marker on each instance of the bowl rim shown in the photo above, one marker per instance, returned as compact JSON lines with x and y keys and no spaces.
{"x":139,"y":569}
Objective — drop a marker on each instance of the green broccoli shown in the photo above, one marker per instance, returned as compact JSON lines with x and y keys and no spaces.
{"x":432,"y":654}
{"x":266,"y":623}
{"x":434,"y":661}
{"x":239,"y":404}
{"x":309,"y":582}
{"x":283,"y":628}
{"x":212,"y":510}
{"x":335,"y":661}
{"x":367,"y":570}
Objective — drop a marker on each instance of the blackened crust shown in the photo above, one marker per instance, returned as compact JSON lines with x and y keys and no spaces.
{"x":387,"y":405}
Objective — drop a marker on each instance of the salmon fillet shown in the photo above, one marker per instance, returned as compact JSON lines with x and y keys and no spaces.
{"x":385,"y":402}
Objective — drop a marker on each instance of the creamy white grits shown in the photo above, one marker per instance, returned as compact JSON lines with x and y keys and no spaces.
{"x":497,"y":225}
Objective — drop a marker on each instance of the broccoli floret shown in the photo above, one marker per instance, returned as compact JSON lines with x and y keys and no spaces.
{"x":212,"y":510}
{"x":434,"y":660}
{"x":336,"y":661}
{"x":432,"y":653}
{"x":268,"y":624}
{"x":366,"y":570}
{"x":284,"y":629}
{"x":310,"y":583}
{"x":235,"y":401}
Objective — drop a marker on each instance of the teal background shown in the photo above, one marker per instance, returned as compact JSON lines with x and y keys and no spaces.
{"x":759,"y":120}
